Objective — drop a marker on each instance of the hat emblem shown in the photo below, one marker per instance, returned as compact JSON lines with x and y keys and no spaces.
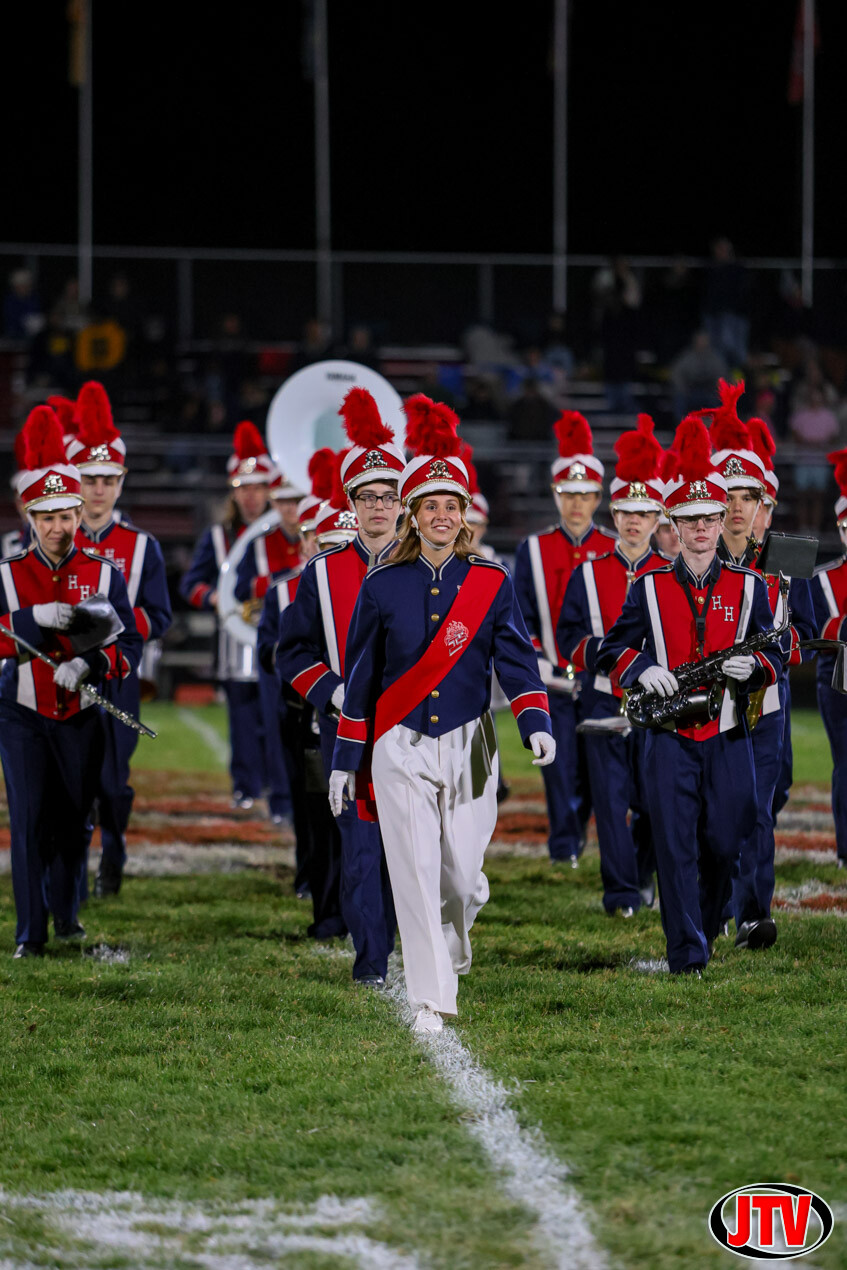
{"x":373,"y":458}
{"x":637,"y":489}
{"x":698,"y":489}
{"x":54,"y":484}
{"x":347,"y":520}
{"x":438,"y":470}
{"x":246,"y":466}
{"x":577,"y":472}
{"x":734,"y":467}
{"x":99,"y":454}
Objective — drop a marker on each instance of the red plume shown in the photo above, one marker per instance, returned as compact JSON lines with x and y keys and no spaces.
{"x":466,"y":455}
{"x":693,"y":445}
{"x":839,"y":459}
{"x":67,"y":413}
{"x":338,"y":498}
{"x":638,"y":452}
{"x":761,"y":439}
{"x":43,"y":443}
{"x":361,"y":419}
{"x":247,"y":441}
{"x":96,"y":426}
{"x":322,"y":472}
{"x":20,"y":450}
{"x":727,"y":431}
{"x":431,"y":427}
{"x":669,"y":465}
{"x":573,"y":433}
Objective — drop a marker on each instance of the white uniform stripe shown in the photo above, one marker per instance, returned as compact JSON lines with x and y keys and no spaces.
{"x":746,"y":608}
{"x":656,"y":621}
{"x":325,"y":601}
{"x":9,"y":587}
{"x":546,"y":634}
{"x":828,"y":594}
{"x":593,"y":600}
{"x":219,"y":544}
{"x":261,"y":549}
{"x":26,"y":679}
{"x":283,"y":598}
{"x":133,"y":582}
{"x":104,"y":579}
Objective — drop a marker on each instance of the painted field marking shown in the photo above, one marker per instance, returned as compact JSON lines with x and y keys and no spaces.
{"x":532,"y":1176}
{"x":207,"y":733}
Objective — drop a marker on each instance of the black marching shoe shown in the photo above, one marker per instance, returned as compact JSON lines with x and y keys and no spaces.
{"x":371,"y":981}
{"x":757,"y":934}
{"x":694,"y":972}
{"x":68,"y":931}
{"x":27,"y":950}
{"x":107,"y":882}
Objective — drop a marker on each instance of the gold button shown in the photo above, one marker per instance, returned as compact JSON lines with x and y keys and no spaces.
{"x":435,"y":591}
{"x":700,"y":599}
{"x":435,"y":693}
{"x":56,"y":577}
{"x":577,"y":555}
{"x":434,"y":617}
{"x":433,"y":718}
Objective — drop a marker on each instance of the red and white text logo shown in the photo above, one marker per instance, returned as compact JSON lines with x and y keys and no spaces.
{"x":771,"y":1221}
{"x":455,"y":637}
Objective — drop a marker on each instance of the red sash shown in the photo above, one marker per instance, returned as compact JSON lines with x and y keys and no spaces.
{"x":464,"y":618}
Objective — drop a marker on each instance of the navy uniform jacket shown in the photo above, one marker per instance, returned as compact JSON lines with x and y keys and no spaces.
{"x":200,"y":579}
{"x":313,"y":630}
{"x":829,"y":596}
{"x":140,"y":560}
{"x":278,"y":596}
{"x":401,"y":608}
{"x":656,"y":628}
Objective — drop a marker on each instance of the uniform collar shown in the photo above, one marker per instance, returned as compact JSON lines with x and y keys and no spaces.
{"x":632,"y":566}
{"x":97,"y":535}
{"x":445,"y":568}
{"x":48,"y":564}
{"x":373,"y":558}
{"x":576,"y":542}
{"x":687,"y":575}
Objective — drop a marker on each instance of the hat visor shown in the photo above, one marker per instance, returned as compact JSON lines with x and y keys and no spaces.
{"x":442,"y":485}
{"x":285,"y":491}
{"x":586,"y":486}
{"x":702,"y":508}
{"x":374,"y":474}
{"x":334,"y":536}
{"x":54,"y":503}
{"x":102,"y":469}
{"x":635,"y":505}
{"x":744,"y":482}
{"x":250,"y":478}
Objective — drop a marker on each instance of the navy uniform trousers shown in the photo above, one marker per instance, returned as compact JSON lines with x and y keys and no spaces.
{"x":246,"y":737}
{"x":786,"y":766}
{"x":115,"y":794}
{"x":701,"y":796}
{"x":52,"y":770}
{"x":755,"y":878}
{"x":566,"y":782}
{"x":614,"y":772}
{"x":833,"y":708}
{"x":276,"y":766}
{"x":366,"y":900}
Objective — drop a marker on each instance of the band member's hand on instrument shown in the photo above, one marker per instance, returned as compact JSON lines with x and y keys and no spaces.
{"x":342,"y":788}
{"x":337,"y":697}
{"x":739,"y":668}
{"x":657,"y":679}
{"x":70,"y":674}
{"x":53,"y":617}
{"x":543,"y":747}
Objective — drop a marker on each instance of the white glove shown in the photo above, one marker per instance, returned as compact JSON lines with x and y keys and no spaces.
{"x":543,"y":746}
{"x":53,"y":617}
{"x":337,"y":697}
{"x":342,"y":788}
{"x":657,"y":679}
{"x":739,"y":667}
{"x":71,"y":673}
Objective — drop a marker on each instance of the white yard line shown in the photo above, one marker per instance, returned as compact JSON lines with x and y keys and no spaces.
{"x":243,"y":1236}
{"x":532,"y":1176}
{"x":207,"y":733}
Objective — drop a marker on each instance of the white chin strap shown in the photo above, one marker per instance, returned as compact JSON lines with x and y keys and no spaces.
{"x":433,"y":546}
{"x":842,"y":534}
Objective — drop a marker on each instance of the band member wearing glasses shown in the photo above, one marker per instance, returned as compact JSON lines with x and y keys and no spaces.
{"x":699,"y":777}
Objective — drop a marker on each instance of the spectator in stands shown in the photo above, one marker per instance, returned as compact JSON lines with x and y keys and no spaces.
{"x":315,"y":346}
{"x":814,"y":428}
{"x":617,"y":299}
{"x":23,"y":312}
{"x":51,"y":358}
{"x":556,"y":351}
{"x":482,"y":405}
{"x":675,"y":310}
{"x":695,"y":375}
{"x":532,"y":366}
{"x":531,"y":415}
{"x":121,"y":305}
{"x":227,"y":367}
{"x":68,"y":314}
{"x":359,"y":348}
{"x":725,"y":303}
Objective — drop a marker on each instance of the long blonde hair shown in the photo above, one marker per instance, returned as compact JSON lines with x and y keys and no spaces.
{"x":409,"y":542}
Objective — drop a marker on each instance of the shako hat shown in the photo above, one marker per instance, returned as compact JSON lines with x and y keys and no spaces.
{"x":732,"y":448}
{"x":334,"y":521}
{"x":576,"y":470}
{"x":764,"y":445}
{"x":637,"y":485}
{"x":321,"y":471}
{"x":838,"y":458}
{"x":478,"y":510}
{"x":249,"y":463}
{"x":693,"y":487}
{"x":432,"y":436}
{"x":373,"y":455}
{"x":47,"y":482}
{"x":97,"y":449}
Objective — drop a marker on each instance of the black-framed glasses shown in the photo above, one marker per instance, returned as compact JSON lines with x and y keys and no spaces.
{"x":388,"y":501}
{"x":708,"y":521}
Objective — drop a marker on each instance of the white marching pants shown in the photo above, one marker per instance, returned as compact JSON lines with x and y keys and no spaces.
{"x":435,"y":833}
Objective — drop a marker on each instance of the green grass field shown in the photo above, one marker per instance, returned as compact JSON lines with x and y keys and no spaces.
{"x":230,"y":1059}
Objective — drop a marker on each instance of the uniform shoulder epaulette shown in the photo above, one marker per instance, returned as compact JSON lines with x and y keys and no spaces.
{"x":740,"y":568}
{"x":16,"y":555}
{"x":379,"y":568}
{"x":549,"y":529}
{"x":92,"y":555}
{"x":831,"y":564}
{"x":597,"y":559}
{"x":608,"y":533}
{"x":492,"y":564}
{"x":332,"y":550}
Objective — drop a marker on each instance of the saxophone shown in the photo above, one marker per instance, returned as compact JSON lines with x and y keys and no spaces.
{"x":701,"y":685}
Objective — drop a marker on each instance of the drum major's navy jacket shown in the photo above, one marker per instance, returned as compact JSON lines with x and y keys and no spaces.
{"x":400,"y":610}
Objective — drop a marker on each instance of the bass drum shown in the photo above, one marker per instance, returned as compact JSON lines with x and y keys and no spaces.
{"x":229,"y":608}
{"x":303,"y":416}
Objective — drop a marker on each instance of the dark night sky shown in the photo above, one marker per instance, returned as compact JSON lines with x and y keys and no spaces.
{"x":441,"y":126}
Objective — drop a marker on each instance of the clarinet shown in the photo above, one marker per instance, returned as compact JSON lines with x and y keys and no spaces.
{"x":700,"y":684}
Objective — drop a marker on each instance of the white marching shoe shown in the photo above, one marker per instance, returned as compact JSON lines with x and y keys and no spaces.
{"x":427,"y":1020}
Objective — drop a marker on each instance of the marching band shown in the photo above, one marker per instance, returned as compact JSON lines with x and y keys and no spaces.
{"x":646,"y":669}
